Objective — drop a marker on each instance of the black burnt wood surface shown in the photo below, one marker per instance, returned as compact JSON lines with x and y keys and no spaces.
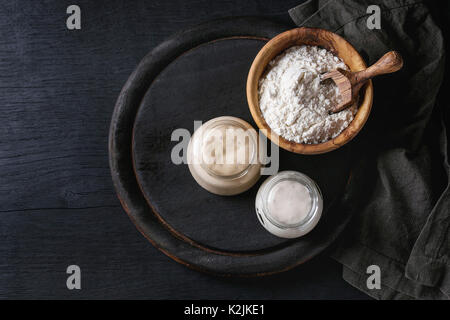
{"x":58,"y":205}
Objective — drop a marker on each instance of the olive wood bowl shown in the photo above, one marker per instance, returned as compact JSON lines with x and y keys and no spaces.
{"x":313,"y":37}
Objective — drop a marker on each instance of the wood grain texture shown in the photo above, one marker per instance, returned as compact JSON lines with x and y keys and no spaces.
{"x":150,"y":187}
{"x":314,"y":37}
{"x":202,"y":83}
{"x":58,"y":206}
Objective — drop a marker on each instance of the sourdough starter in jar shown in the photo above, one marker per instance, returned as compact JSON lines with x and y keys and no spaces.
{"x":223,"y":156}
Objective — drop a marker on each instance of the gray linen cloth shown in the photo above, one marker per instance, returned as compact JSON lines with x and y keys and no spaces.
{"x":400,"y":194}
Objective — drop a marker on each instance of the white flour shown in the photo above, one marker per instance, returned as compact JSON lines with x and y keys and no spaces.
{"x":293,"y":101}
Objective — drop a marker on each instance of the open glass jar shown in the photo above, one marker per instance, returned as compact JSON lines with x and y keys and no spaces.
{"x":289,"y":204}
{"x":223,"y":156}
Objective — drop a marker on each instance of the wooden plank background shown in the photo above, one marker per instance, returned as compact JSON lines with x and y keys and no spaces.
{"x":57,"y":203}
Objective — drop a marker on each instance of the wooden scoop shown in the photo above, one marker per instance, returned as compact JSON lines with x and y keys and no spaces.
{"x":349,"y":83}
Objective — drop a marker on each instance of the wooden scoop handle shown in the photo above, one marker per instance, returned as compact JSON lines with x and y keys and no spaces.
{"x":390,"y":62}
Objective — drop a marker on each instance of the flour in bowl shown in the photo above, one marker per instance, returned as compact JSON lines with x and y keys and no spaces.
{"x":293,"y":101}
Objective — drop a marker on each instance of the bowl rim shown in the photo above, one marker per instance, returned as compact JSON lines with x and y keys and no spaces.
{"x":277,"y":45}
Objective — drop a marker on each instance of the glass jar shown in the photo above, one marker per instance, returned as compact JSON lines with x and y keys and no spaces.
{"x":223,"y":156}
{"x":269,"y":193}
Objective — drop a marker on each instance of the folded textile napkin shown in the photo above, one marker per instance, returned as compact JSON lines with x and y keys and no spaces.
{"x":400,"y":194}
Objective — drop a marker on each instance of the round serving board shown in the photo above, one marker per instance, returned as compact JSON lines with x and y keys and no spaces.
{"x":200,"y":74}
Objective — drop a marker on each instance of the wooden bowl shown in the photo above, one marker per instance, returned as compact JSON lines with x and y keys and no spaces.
{"x":314,"y":37}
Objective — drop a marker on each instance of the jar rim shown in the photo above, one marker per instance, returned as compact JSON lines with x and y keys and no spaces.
{"x":314,"y":191}
{"x":236,"y":122}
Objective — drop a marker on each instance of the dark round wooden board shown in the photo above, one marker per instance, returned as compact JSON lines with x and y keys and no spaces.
{"x":200,"y":74}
